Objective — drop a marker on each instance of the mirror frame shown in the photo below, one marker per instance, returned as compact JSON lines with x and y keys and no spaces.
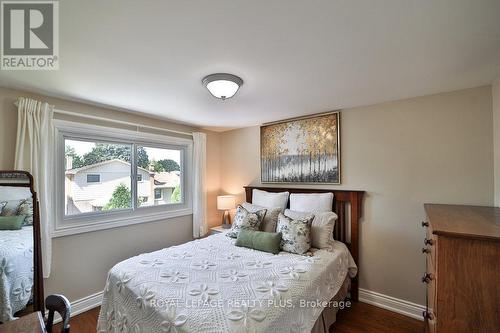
{"x":38,"y":297}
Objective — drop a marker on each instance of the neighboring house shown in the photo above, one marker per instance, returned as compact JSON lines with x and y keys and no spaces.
{"x":90,"y":188}
{"x":164,"y":185}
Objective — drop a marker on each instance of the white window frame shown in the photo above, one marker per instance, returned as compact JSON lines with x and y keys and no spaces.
{"x":93,"y":221}
{"x":142,"y":178}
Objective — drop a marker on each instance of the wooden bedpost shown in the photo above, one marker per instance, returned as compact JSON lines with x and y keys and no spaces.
{"x":356,"y":199}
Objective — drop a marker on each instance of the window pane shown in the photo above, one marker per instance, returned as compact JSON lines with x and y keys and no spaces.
{"x":93,"y":178}
{"x":98,"y":176}
{"x":160,"y":172}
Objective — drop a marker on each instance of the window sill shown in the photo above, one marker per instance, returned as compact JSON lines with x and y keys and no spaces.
{"x":117,"y":222}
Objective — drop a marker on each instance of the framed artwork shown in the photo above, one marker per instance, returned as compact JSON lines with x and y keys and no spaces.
{"x":301,"y":150}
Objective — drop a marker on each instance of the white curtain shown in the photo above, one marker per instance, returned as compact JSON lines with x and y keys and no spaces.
{"x":35,"y":154}
{"x":200,"y":226}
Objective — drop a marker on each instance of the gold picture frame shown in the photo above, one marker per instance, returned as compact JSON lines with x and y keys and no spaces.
{"x":303,"y":150}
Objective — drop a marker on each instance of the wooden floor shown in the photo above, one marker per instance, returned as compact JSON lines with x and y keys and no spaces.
{"x":360,"y":318}
{"x":363,"y":317}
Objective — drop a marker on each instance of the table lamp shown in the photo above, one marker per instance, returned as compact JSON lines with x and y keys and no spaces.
{"x":226,"y":203}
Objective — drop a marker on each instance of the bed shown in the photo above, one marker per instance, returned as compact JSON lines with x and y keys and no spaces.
{"x":16,"y":271}
{"x":210,"y":285}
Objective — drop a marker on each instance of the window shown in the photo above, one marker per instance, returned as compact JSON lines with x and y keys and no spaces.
{"x":97,"y":176}
{"x":92,"y":178}
{"x":113,"y":180}
{"x":164,"y":165}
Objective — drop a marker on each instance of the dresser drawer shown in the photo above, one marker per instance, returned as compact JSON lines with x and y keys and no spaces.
{"x":432,"y":295}
{"x":463,"y":253}
{"x":430,"y":315}
{"x":430,"y":325}
{"x":430,"y":245}
{"x":430,"y":277}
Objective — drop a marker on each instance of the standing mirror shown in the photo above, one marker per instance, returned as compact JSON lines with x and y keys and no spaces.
{"x":21,"y":282}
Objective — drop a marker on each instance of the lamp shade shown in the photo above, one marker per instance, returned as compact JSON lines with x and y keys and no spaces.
{"x":226,"y":202}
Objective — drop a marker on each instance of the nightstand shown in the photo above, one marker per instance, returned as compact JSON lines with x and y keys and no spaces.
{"x":218,"y":230}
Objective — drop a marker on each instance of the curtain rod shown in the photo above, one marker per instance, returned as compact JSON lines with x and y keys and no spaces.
{"x":82,"y":115}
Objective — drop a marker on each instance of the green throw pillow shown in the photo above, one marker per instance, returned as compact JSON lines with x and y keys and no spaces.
{"x":11,"y":222}
{"x":259,"y":240}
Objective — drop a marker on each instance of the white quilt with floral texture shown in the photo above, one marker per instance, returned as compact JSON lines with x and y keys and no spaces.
{"x":211,"y":285}
{"x":16,"y":270}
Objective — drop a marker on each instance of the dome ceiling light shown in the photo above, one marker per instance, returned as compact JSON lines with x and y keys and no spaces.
{"x":222,"y":85}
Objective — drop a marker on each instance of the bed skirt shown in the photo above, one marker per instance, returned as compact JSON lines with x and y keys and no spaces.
{"x":329,"y":314}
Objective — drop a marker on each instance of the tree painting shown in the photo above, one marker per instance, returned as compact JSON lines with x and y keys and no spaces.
{"x":301,"y":151}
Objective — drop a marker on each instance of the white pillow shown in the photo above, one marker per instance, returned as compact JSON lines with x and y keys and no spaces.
{"x":322,"y":227}
{"x":270,"y":220}
{"x":311,"y":202}
{"x":270,"y":199}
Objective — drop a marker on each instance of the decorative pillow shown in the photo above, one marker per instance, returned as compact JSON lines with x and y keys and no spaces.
{"x":311,"y":202}
{"x":11,"y":222}
{"x":10,"y":208}
{"x":295,"y":234}
{"x":270,"y":219}
{"x":321,"y":227}
{"x":270,"y":199}
{"x":259,"y":240}
{"x":243,"y":219}
{"x":26,"y":208}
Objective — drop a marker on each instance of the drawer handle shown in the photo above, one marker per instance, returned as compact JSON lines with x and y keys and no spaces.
{"x":428,"y":315}
{"x":428,"y":241}
{"x":425,"y":224}
{"x":428,"y":277}
{"x":426,"y":250}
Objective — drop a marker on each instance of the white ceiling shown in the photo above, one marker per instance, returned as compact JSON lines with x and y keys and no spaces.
{"x":296,"y":57}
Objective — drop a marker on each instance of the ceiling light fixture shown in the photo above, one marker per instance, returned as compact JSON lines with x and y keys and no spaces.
{"x":222,"y":85}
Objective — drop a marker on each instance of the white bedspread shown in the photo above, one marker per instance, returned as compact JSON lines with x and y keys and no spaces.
{"x":210,"y":285}
{"x":16,"y":270}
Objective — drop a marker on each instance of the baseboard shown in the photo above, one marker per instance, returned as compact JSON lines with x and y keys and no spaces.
{"x":82,"y":305}
{"x":390,"y":303}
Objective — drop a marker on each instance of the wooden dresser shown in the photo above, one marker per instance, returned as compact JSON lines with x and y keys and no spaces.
{"x":462,"y":246}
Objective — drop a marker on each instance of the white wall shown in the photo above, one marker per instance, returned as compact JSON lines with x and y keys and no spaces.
{"x":496,"y":137}
{"x":429,"y":149}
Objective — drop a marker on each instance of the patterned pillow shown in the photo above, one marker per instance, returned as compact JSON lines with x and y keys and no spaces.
{"x":26,"y":208}
{"x":10,"y":208}
{"x":295,"y":234}
{"x":270,"y":220}
{"x":243,"y":219}
{"x":322,"y":227}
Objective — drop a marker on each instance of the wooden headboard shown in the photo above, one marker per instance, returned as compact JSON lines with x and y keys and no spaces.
{"x":347,"y":205}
